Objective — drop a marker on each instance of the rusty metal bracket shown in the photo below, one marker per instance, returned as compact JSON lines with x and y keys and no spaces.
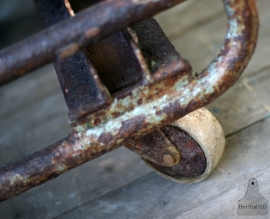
{"x":164,"y":94}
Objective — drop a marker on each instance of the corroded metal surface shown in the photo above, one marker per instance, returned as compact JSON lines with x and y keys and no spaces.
{"x":118,"y":67}
{"x":68,"y":37}
{"x":82,"y":88}
{"x":156,"y":147}
{"x":116,"y":62}
{"x":151,"y":105}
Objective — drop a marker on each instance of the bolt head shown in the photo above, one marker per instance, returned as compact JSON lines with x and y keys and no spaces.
{"x":168,"y":159}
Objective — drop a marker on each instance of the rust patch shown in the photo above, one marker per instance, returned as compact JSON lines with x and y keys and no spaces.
{"x":105,"y":138}
{"x":97,"y":121}
{"x":132,"y":126}
{"x":68,"y":50}
{"x":92,"y":32}
{"x":193,"y":161}
{"x":140,"y":101}
{"x":155,"y":147}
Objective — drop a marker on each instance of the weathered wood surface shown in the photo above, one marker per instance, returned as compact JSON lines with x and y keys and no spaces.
{"x":119,"y":185}
{"x":246,"y":156}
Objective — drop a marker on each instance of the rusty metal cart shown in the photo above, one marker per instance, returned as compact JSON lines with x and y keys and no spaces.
{"x":125,"y":84}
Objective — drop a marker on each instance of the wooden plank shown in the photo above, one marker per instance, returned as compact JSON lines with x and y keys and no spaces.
{"x":245,"y":157}
{"x":245,"y":103}
{"x":42,"y":120}
{"x":76,"y":187}
{"x":184,"y":18}
{"x":29,"y":90}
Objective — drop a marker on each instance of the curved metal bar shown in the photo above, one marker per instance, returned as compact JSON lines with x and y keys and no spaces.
{"x":68,"y":37}
{"x":147,"y":108}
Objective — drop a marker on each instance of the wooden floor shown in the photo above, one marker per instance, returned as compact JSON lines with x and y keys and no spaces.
{"x":120,"y":185}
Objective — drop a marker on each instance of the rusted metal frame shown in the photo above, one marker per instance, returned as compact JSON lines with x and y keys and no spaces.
{"x":68,"y":37}
{"x":79,"y":148}
{"x":117,"y":66}
{"x":158,"y":59}
{"x":147,"y":108}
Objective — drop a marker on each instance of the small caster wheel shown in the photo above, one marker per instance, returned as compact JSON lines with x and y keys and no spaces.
{"x":200,"y":140}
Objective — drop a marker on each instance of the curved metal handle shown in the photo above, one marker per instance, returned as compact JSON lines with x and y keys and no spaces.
{"x":238,"y":48}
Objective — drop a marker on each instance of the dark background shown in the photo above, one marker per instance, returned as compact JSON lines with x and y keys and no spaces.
{"x":18,"y":20}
